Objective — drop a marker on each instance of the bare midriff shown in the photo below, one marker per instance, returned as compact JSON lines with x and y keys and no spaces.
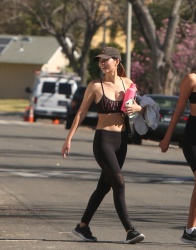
{"x":111,"y":122}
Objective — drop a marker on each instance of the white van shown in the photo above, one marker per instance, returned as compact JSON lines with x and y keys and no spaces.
{"x":51,"y":94}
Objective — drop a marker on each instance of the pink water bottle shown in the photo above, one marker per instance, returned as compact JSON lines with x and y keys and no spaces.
{"x":129,"y":95}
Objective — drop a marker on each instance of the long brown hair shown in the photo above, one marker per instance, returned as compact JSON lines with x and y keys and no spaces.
{"x":121,"y":70}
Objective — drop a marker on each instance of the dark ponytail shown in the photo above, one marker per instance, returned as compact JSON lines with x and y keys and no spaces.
{"x":193,"y":69}
{"x":121,"y":70}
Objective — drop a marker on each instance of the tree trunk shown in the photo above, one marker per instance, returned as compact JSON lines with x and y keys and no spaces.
{"x":163,"y":77}
{"x":158,"y":63}
{"x":169,"y":82}
{"x":83,"y":71}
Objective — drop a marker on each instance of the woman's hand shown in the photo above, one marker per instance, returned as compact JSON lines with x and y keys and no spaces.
{"x":133,"y":108}
{"x":164,"y":145}
{"x":66,"y":148}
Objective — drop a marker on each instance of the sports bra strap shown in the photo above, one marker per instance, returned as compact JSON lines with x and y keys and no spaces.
{"x":123,"y":83}
{"x":102,"y":86}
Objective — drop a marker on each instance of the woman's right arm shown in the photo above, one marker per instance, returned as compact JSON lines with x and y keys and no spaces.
{"x":185,"y":90}
{"x":89,"y":97}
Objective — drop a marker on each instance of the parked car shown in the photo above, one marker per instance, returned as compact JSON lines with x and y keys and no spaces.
{"x":73,"y":106}
{"x":50,"y":95}
{"x":167,"y":106}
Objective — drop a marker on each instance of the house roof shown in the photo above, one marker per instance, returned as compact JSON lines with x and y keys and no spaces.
{"x":27,"y":49}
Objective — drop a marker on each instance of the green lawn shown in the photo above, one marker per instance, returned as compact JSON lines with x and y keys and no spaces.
{"x":13,"y":105}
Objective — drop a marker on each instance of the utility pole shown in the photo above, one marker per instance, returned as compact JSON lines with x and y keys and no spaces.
{"x":128,"y":40}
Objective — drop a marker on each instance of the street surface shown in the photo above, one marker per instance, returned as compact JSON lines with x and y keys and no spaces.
{"x":43,"y":196}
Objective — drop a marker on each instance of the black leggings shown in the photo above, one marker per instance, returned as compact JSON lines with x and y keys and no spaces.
{"x":110,"y":150}
{"x":189,"y":142}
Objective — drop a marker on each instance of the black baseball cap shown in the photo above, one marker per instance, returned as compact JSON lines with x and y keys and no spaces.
{"x":109,"y":52}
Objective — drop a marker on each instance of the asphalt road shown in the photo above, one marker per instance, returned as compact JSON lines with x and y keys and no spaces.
{"x":43,"y":195}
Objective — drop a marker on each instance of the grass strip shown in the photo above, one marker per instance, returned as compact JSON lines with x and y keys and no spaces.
{"x":13,"y":105}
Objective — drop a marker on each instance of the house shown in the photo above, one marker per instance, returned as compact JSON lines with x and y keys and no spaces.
{"x":21,"y":56}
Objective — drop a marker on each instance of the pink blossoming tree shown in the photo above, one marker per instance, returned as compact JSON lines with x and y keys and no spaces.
{"x":182,"y":58}
{"x":163,"y":47}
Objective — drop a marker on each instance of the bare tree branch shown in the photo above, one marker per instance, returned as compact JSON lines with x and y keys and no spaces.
{"x":171,"y":31}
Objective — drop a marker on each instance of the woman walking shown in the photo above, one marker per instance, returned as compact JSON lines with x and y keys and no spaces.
{"x":187,"y":92}
{"x":110,"y":141}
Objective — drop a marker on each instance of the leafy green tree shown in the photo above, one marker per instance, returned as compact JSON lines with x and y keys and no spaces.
{"x":13,"y":20}
{"x":74,"y":29}
{"x":73,"y":23}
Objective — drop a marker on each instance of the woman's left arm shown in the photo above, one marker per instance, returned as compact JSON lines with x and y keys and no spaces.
{"x":134,"y":107}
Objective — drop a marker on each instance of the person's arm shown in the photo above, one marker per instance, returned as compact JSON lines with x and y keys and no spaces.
{"x":89,"y":97}
{"x":185,"y":90}
{"x":135,"y":107}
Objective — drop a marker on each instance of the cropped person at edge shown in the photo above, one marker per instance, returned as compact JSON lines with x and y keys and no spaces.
{"x":110,"y":140}
{"x":187,"y":92}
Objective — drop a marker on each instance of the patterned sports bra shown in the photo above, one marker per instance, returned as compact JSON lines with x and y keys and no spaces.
{"x":107,"y":106}
{"x":192,"y":97}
